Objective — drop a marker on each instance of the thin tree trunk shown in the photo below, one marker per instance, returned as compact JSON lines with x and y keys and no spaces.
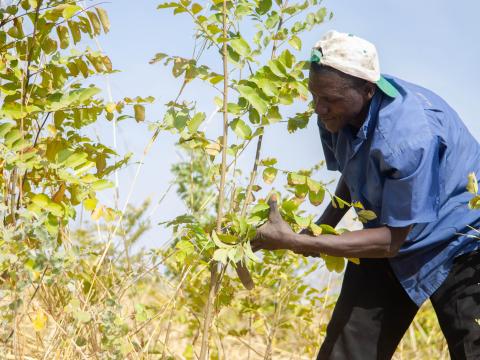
{"x":214,"y":278}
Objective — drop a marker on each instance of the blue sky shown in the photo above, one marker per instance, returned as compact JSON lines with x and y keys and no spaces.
{"x":433,"y":43}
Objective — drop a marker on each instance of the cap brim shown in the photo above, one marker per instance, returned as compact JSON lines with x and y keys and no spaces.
{"x":387,"y":87}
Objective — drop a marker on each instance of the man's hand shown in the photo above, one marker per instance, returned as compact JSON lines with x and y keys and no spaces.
{"x":275,"y":234}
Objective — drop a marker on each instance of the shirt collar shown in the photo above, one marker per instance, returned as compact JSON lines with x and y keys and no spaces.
{"x":369,"y":122}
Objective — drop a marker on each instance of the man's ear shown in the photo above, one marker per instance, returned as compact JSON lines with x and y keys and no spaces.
{"x":369,"y":90}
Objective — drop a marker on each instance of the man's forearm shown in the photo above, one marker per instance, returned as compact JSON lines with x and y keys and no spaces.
{"x":332,"y":216}
{"x":368,"y":243}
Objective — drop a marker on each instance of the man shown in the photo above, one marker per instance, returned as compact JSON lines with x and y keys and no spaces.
{"x":406,"y":155}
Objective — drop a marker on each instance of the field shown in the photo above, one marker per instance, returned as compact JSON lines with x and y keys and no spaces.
{"x":74,"y":283}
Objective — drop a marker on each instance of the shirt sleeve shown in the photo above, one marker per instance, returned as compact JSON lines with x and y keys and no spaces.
{"x":411,"y":192}
{"x":327,"y":145}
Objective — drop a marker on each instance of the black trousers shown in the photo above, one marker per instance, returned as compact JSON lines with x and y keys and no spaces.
{"x":373,"y":312}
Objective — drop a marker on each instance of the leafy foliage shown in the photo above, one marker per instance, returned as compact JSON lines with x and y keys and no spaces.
{"x":81,"y":293}
{"x":50,"y":167}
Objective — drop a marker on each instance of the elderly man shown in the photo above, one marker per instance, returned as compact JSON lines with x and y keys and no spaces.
{"x":404,"y":153}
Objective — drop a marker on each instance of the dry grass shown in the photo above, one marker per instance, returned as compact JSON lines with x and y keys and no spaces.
{"x":60,"y":337}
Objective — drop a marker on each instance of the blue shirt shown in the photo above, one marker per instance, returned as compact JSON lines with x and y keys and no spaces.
{"x":409,"y":163}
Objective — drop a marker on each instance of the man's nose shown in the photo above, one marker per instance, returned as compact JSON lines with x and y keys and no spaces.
{"x":321,"y":109}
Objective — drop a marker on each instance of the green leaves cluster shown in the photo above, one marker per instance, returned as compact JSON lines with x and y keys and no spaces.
{"x":45,"y":107}
{"x":50,"y":167}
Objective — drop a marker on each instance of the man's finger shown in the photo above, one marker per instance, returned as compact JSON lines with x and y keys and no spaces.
{"x":254,"y":245}
{"x":273,"y":214}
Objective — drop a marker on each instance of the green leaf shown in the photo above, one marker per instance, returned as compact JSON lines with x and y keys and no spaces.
{"x":76,"y":35}
{"x":273,"y":115}
{"x":341,"y":203}
{"x":472,"y":185}
{"x":221,"y":255}
{"x":366,"y":215}
{"x":102,"y":184}
{"x":186,"y":247}
{"x":40,"y":200}
{"x":249,"y":253}
{"x":260,"y":207}
{"x":167,"y":5}
{"x":290,"y":206}
{"x":295,"y":42}
{"x":5,"y":128}
{"x":240,"y":46}
{"x":39,"y":320}
{"x":474,"y":203}
{"x":20,"y":144}
{"x":272,"y":20}
{"x":334,"y":263}
{"x":139,"y":112}
{"x":242,"y":130}
{"x":315,"y":229}
{"x":313,"y":185}
{"x":278,"y":68}
{"x":301,"y":191}
{"x":299,"y":121}
{"x":95,"y":22}
{"x":70,"y":10}
{"x":55,"y":209}
{"x":87,"y":93}
{"x":82,"y":316}
{"x":328,"y":230}
{"x":253,"y":98}
{"x":62,"y":33}
{"x":316,"y":198}
{"x":269,"y":174}
{"x":12,"y":136}
{"x":196,"y":8}
{"x":15,"y":110}
{"x":218,"y":242}
{"x":287,"y":59}
{"x":90,"y":204}
{"x":302,"y":222}
{"x":269,"y":87}
{"x":158,"y":57}
{"x":196,"y":121}
{"x":296,"y":179}
{"x":228,"y":239}
{"x":75,"y":159}
{"x":263,"y":6}
{"x":268,"y":161}
{"x":253,"y":116}
{"x":215,"y":79}
{"x":102,"y":14}
{"x":180,"y":121}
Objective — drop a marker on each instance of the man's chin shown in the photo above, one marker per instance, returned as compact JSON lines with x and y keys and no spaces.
{"x":330,"y":128}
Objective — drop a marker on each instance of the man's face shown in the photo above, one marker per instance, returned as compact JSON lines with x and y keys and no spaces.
{"x":336,"y":103}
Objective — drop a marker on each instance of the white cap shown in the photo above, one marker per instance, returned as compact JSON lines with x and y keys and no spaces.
{"x":353,"y":56}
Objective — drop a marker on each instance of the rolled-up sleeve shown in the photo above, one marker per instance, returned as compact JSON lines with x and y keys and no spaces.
{"x":327,"y":146}
{"x":411,"y":191}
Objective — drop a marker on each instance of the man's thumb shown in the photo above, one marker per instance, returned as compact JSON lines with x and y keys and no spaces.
{"x":273,"y":214}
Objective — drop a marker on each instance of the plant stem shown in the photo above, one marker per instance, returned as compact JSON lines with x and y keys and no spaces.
{"x":209,"y":310}
{"x":253,"y":174}
{"x":214,"y":278}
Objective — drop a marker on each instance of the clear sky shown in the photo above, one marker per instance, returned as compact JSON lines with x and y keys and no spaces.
{"x":434,"y":43}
